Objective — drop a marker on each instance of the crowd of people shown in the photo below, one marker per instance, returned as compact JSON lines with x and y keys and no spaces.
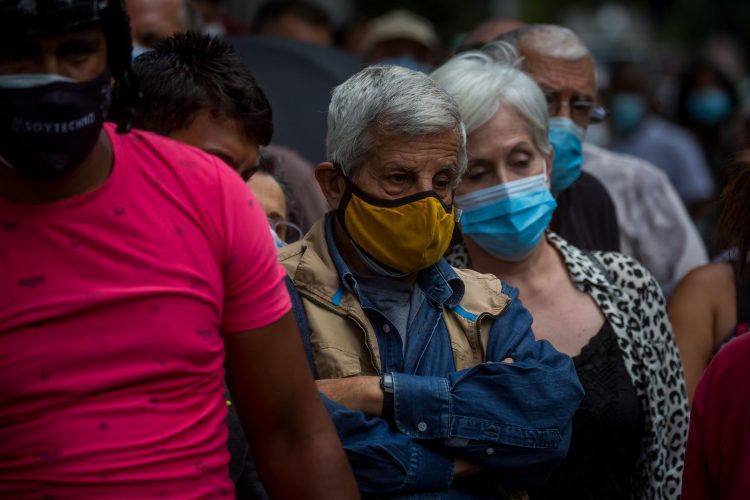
{"x":465,"y":298}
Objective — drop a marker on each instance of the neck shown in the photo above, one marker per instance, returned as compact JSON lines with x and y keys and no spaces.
{"x":351,"y":257}
{"x":86,"y":177}
{"x":540,"y":262}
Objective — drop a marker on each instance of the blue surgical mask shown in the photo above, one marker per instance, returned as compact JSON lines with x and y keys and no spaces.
{"x":509,"y":219}
{"x":138,"y":49}
{"x":628,"y":109}
{"x":709,"y":107}
{"x":566,"y":138}
{"x":407,"y":62}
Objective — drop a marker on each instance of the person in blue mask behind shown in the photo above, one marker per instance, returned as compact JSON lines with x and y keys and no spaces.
{"x":708,"y":105}
{"x":603,"y":309}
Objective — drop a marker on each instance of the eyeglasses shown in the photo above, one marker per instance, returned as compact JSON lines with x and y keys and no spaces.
{"x":582,"y":111}
{"x":291,"y":231}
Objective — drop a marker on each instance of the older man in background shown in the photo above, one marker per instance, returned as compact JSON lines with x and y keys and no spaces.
{"x":151,"y":21}
{"x":436,"y":381}
{"x":655,"y":227}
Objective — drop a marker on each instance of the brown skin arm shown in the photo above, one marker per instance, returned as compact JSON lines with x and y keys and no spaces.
{"x":702,"y":310}
{"x":356,"y":393}
{"x":287,"y":426}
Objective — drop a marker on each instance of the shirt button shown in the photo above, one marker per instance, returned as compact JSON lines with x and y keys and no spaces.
{"x":490,"y":451}
{"x":387,"y":328}
{"x":422,"y":426}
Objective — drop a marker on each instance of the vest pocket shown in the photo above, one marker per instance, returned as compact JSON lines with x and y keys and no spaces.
{"x":333,"y":362}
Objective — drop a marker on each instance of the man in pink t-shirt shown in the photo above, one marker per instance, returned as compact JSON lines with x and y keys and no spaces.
{"x":129,"y":265}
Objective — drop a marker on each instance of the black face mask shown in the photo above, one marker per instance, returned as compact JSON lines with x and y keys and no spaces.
{"x":49,"y":129}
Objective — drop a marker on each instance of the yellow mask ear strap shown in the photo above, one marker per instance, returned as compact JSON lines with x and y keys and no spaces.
{"x":345,"y":199}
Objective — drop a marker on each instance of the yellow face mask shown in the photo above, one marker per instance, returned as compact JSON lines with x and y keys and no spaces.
{"x":408,"y":234}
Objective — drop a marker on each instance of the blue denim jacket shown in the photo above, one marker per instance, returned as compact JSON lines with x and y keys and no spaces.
{"x":514,"y":419}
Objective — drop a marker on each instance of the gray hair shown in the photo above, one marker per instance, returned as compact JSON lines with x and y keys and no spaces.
{"x":549,"y":40}
{"x":391,"y":101}
{"x":482,"y":81}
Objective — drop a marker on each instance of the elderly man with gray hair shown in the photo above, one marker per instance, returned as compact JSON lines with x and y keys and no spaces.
{"x":431,"y":374}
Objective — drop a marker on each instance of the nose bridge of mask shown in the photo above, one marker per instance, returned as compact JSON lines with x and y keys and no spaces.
{"x":503,"y":191}
{"x":30,"y":80}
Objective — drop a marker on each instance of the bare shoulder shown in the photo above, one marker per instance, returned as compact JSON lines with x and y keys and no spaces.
{"x":710,"y":281}
{"x":705,"y":294}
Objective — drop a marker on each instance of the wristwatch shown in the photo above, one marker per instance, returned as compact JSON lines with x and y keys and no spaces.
{"x":386,"y":383}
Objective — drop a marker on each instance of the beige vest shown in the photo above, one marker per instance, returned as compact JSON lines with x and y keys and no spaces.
{"x":342,"y":339}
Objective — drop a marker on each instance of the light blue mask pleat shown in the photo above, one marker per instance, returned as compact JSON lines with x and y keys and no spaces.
{"x":502,"y":191}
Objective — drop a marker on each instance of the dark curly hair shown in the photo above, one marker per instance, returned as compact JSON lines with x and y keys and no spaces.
{"x":733,"y":223}
{"x":190,"y":72}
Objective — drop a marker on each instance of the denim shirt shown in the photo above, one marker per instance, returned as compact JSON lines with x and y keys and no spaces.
{"x":514,"y":419}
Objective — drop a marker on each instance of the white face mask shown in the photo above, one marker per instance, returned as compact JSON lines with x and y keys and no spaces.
{"x":30,"y":80}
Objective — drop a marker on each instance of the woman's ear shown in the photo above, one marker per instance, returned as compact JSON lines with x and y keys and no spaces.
{"x":331,"y":182}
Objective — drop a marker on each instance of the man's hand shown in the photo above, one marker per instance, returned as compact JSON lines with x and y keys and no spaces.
{"x":356,"y":393}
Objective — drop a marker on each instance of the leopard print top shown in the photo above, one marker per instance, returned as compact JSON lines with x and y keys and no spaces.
{"x":634,"y":305}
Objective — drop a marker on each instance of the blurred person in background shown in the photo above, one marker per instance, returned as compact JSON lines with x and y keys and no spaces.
{"x":293,"y":20}
{"x":139,"y":273}
{"x":601,"y":308}
{"x":709,"y":314}
{"x":272,"y":196}
{"x":655,"y":227}
{"x":350,"y":36}
{"x":151,"y":21}
{"x":402,"y":38}
{"x":215,"y":20}
{"x":197,"y":90}
{"x":638,"y":130}
{"x":412,"y":352}
{"x":708,"y":106}
{"x":488,"y":31}
{"x":711,"y":305}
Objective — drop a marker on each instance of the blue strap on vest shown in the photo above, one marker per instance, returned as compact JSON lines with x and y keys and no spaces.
{"x":301,"y":318}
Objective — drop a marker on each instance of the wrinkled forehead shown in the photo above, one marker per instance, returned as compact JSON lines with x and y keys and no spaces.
{"x":565,"y":76}
{"x":436,"y":151}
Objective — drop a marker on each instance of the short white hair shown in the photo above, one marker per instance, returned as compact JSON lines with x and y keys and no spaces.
{"x":548,"y":40}
{"x":390,"y":101}
{"x":483,"y":81}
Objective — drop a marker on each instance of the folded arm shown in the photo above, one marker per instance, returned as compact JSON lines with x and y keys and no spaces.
{"x":513,"y":417}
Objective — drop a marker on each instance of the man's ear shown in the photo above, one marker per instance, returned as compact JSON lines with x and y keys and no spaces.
{"x":331,"y":182}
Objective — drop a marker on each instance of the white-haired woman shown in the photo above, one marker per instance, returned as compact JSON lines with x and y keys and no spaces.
{"x":601,"y":308}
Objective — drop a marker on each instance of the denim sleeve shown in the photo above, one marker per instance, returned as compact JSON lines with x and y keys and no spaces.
{"x":515,"y":418}
{"x":386,"y":461}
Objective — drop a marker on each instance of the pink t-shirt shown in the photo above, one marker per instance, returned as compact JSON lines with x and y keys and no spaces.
{"x":112,"y":305}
